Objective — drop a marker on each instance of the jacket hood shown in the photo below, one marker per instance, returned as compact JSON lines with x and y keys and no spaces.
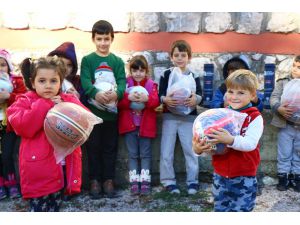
{"x":241,"y":59}
{"x":67,"y":50}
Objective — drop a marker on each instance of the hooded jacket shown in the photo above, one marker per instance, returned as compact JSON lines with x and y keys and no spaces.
{"x":39,"y":173}
{"x":148,"y":122}
{"x":67,"y":50}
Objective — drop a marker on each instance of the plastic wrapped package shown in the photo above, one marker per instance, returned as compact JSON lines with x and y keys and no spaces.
{"x":140,"y":90}
{"x":180,"y":87}
{"x":291,"y":96}
{"x":5,"y":84}
{"x":213,"y":119}
{"x":67,"y":126}
{"x":103,"y":86}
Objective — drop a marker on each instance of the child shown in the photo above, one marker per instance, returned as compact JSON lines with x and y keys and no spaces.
{"x":288,"y":159}
{"x":66,"y":51}
{"x":138,"y":123}
{"x":234,"y":181}
{"x":42,"y":180}
{"x":172,"y":124}
{"x":8,"y":182}
{"x":102,"y":144}
{"x":230,"y":66}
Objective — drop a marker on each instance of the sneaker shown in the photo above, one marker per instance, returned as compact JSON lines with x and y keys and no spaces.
{"x":283,"y":182}
{"x":108,"y":188}
{"x":145,"y":188}
{"x":193,"y":188}
{"x":14,"y":192}
{"x":134,"y":188}
{"x":3,"y":193}
{"x":173,"y":189}
{"x":95,"y":189}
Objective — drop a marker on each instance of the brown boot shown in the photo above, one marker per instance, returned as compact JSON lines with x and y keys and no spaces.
{"x":108,"y":188}
{"x":95,"y":189}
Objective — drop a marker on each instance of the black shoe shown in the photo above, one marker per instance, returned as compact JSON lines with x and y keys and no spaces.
{"x":259,"y":190}
{"x":283,"y":181}
{"x":95,"y":189}
{"x":295,"y":181}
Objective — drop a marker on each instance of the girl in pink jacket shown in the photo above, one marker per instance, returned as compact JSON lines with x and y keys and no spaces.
{"x":42,"y":180}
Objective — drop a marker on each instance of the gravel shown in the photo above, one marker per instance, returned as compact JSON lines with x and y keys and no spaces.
{"x":271,"y":200}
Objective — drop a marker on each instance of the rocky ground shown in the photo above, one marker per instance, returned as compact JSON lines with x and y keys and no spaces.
{"x":271,"y":200}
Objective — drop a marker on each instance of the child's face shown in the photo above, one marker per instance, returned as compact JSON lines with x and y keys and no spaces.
{"x":69,"y":66}
{"x":46,"y":83}
{"x":296,"y":70}
{"x":180,"y":59}
{"x":138,"y":74}
{"x":102,"y":42}
{"x":3,"y":65}
{"x":239,"y":98}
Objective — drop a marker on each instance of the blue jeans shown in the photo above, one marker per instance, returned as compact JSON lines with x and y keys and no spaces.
{"x":139,"y":149}
{"x":236,"y":194}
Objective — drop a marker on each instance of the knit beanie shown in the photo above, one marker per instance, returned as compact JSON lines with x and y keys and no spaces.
{"x":5,"y":55}
{"x":67,"y":50}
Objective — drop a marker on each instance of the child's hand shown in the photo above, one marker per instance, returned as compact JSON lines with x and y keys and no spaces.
{"x":73,"y":92}
{"x":169,"y":101}
{"x":101,"y":98}
{"x":200,"y":146}
{"x":221,"y":136}
{"x":111,"y":95}
{"x":56,"y":99}
{"x":191,"y":101}
{"x":133,"y":97}
{"x":285,"y":110}
{"x":143,"y":98}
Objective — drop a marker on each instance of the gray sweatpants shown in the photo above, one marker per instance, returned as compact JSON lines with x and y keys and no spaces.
{"x":183,"y":125}
{"x":288,"y":160}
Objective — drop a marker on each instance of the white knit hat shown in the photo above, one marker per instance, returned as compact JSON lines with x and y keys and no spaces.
{"x":5,"y":55}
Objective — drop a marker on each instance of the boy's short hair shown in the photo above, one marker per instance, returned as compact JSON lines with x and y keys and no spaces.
{"x":102,"y":27}
{"x":243,"y":79}
{"x":297,"y":58}
{"x":182,"y":46}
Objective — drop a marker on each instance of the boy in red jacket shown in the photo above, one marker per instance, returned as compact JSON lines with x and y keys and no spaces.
{"x":234,"y":181}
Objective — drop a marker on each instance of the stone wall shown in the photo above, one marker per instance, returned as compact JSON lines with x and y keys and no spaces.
{"x":193,"y":22}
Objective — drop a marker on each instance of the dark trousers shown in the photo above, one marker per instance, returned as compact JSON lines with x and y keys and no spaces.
{"x":8,"y":144}
{"x":102,"y":147}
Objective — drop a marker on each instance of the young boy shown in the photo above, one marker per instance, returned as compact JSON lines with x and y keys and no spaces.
{"x":234,"y":181}
{"x":172,"y":124}
{"x":229,"y":67}
{"x":288,"y":159}
{"x":218,"y":101}
{"x":102,"y":144}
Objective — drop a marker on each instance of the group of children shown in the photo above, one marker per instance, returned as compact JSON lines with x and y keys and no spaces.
{"x":53,"y":79}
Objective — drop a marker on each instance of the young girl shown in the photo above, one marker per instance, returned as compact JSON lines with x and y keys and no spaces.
{"x":71,"y":84}
{"x":8,"y":181}
{"x":42,"y":180}
{"x":137,"y":120}
{"x":234,"y":182}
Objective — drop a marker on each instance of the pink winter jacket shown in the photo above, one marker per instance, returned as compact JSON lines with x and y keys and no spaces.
{"x":39,"y":173}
